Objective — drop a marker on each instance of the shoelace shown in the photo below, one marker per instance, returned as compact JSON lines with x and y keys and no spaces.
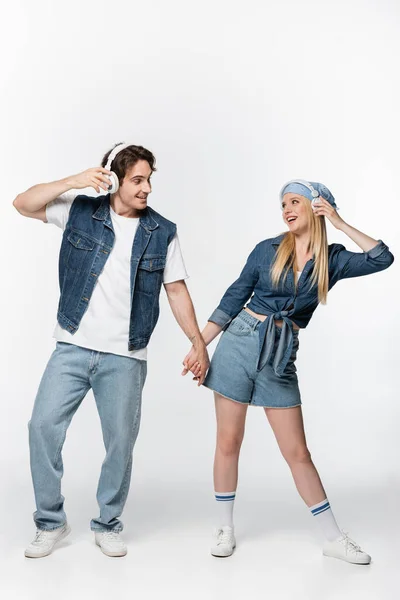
{"x":349,"y":544}
{"x":40,"y":536}
{"x":112,"y":536}
{"x":224,"y":537}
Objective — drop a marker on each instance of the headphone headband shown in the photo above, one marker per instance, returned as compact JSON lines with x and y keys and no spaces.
{"x":317,"y":190}
{"x":307,"y":184}
{"x":114,"y":153}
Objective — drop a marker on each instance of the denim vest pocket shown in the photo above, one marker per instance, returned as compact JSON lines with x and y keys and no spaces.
{"x":80,"y":241}
{"x":79,"y":248}
{"x":150,"y":275}
{"x":152,"y":263}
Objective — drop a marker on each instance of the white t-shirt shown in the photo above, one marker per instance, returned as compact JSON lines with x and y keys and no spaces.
{"x":105,"y":325}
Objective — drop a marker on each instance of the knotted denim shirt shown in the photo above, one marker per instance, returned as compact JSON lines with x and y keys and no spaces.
{"x":288,"y":302}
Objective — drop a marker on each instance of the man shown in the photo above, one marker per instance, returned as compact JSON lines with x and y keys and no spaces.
{"x":116,"y":252}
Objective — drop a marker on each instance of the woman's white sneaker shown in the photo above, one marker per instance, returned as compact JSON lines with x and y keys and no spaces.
{"x":110,"y":543}
{"x":45,"y":541}
{"x":225,"y":542}
{"x":346,"y":549}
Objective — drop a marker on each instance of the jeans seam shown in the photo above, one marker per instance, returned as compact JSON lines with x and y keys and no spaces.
{"x":124,"y":493}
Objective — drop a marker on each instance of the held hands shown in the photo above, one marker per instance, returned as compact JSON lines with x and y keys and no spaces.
{"x":322,"y":208}
{"x":197,"y":362}
{"x":95,"y":177}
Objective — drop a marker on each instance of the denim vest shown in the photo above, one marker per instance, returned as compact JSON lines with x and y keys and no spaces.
{"x":87,"y":242}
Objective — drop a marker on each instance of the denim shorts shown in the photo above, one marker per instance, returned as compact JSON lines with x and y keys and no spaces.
{"x":233,"y":370}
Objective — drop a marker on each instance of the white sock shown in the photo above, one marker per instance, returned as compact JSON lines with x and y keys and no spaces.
{"x":225,"y":502}
{"x":324,"y":515}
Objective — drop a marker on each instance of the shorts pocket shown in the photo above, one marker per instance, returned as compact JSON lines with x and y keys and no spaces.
{"x":239,"y":327}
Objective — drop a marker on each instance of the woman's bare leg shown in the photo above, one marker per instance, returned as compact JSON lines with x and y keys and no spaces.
{"x":231,"y":419}
{"x":287,"y":425}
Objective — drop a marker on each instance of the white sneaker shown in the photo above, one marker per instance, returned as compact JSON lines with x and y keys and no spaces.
{"x":346,"y":549}
{"x":45,"y":541}
{"x":225,"y":542}
{"x":110,"y":543}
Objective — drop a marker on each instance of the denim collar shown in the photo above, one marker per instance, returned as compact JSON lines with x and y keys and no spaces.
{"x":276,"y":241}
{"x":103,"y":214}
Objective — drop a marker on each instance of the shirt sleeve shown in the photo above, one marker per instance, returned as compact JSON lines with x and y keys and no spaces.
{"x":356,"y":264}
{"x":238,"y":293}
{"x":175,"y":269}
{"x":57,"y":211}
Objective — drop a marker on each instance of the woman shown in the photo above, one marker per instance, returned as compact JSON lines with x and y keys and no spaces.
{"x":254,"y":362}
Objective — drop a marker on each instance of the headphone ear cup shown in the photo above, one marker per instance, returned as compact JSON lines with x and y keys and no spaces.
{"x":114,"y":183}
{"x":314,"y":201}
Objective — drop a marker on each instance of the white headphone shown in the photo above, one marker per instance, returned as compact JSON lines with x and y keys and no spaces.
{"x":114,"y":182}
{"x":314,"y":193}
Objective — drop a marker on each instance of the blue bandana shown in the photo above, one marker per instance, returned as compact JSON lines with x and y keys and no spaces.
{"x":310,"y":189}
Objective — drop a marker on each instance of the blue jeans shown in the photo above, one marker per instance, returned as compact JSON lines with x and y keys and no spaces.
{"x":117,"y":384}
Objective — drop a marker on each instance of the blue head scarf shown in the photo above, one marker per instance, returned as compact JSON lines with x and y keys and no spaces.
{"x":310,"y":189}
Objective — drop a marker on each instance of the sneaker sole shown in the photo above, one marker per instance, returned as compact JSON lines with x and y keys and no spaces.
{"x":224,"y":555}
{"x":43,"y":554}
{"x":345,"y":559}
{"x":112,"y":554}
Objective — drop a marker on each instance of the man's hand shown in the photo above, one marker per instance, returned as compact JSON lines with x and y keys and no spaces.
{"x":182,"y":307}
{"x":95,"y":177}
{"x":33,"y":202}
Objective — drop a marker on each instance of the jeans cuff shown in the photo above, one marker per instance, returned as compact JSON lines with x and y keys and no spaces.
{"x":50,"y":528}
{"x":100,"y":529}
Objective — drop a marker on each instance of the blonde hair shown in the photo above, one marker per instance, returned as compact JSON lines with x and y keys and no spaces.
{"x":285,"y":258}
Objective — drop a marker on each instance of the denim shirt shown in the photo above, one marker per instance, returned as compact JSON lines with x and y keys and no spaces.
{"x":287,"y":302}
{"x":86,"y":245}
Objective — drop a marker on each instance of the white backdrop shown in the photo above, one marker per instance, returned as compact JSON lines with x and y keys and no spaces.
{"x":234,"y":99}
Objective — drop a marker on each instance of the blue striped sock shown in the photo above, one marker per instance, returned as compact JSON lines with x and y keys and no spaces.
{"x":225,"y":502}
{"x":326,"y":520}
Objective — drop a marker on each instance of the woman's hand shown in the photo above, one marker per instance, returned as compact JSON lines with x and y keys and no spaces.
{"x":322,"y":208}
{"x":197,"y":362}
